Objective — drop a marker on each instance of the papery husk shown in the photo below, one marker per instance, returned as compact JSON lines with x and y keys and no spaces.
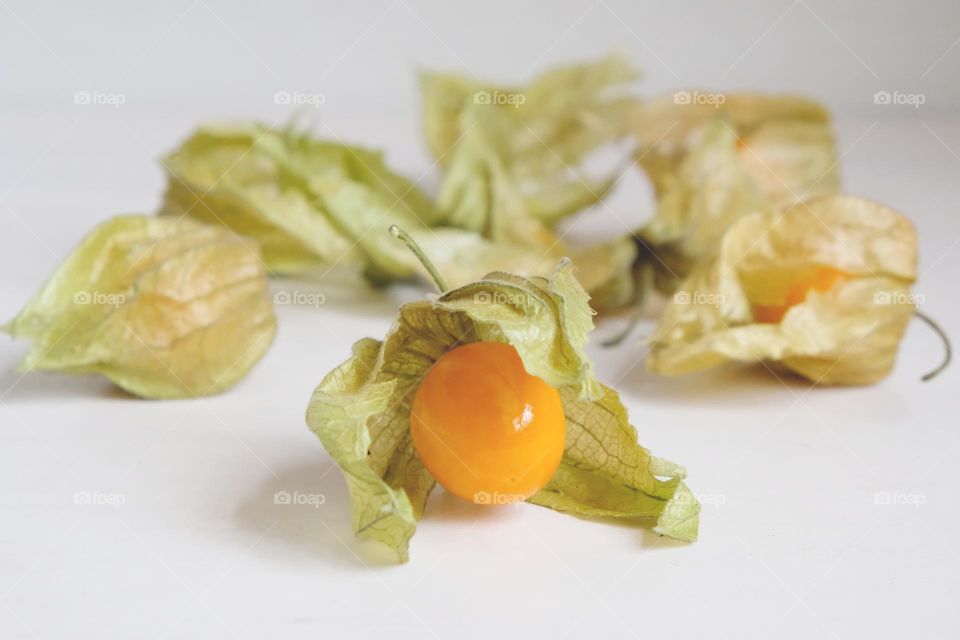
{"x":513,"y":169}
{"x":308,"y":202}
{"x":790,"y":135}
{"x":316,"y":204}
{"x":361,"y":410}
{"x":848,"y":334}
{"x":720,"y":174}
{"x":164,"y":308}
{"x":549,"y":124}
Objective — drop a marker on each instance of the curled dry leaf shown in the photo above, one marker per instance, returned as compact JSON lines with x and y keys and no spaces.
{"x":541,"y":128}
{"x":714,"y":162}
{"x":785,"y":142}
{"x":709,"y":191}
{"x":164,"y":308}
{"x":361,"y":410}
{"x":479,"y":194}
{"x":822,"y":288}
{"x":308,"y":202}
{"x":513,"y":160}
{"x":311,"y":203}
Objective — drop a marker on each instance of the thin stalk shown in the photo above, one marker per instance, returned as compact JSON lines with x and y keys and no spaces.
{"x":644,"y":283}
{"x":948,"y":350}
{"x":634,"y":320}
{"x":402,"y":235}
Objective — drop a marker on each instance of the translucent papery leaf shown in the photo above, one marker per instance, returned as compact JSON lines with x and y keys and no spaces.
{"x":551,"y":123}
{"x":164,"y":308}
{"x":514,"y":157}
{"x":709,"y":192}
{"x":714,"y":157}
{"x":667,"y":128}
{"x":605,"y":473}
{"x":848,"y":333}
{"x":308,"y":202}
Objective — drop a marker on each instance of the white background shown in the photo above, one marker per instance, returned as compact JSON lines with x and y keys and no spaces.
{"x":793,"y":542}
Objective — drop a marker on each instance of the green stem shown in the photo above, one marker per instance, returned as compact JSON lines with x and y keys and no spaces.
{"x":644,"y":282}
{"x":631,"y":325}
{"x":400,"y":234}
{"x":948,"y":350}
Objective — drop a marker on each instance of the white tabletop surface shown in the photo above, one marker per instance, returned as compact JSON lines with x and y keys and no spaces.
{"x":183,"y":537}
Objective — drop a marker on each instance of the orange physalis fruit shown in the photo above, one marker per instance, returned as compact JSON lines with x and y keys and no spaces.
{"x":823,"y":279}
{"x":487,"y":430}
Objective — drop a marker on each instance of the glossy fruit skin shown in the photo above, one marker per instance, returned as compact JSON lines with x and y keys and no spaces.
{"x":823,"y":279}
{"x":485,"y":429}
